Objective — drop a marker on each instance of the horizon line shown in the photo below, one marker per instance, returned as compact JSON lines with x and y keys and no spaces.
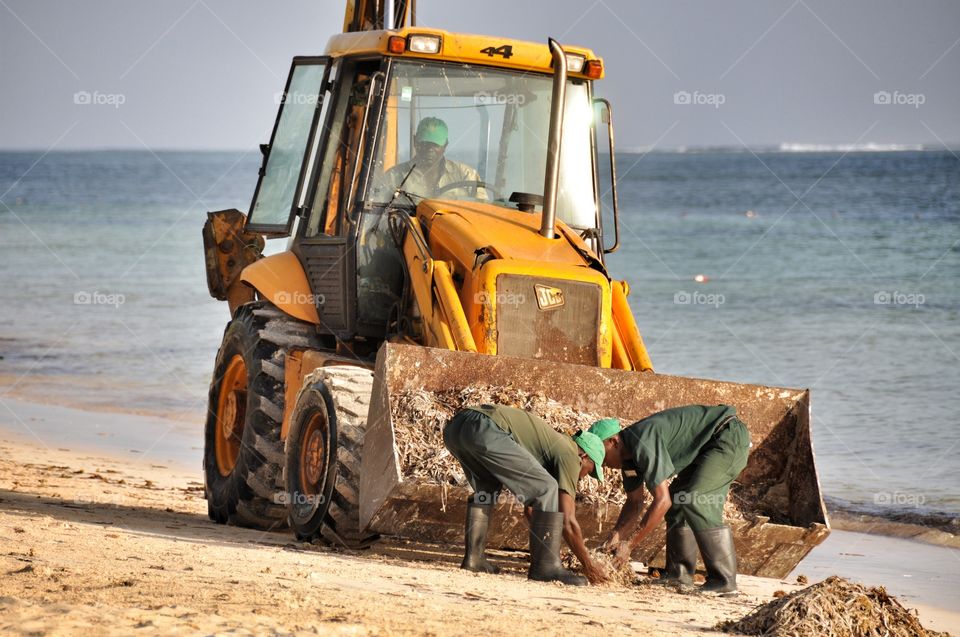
{"x":679,"y":149}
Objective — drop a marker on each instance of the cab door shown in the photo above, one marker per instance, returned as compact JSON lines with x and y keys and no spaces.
{"x":287,"y":160}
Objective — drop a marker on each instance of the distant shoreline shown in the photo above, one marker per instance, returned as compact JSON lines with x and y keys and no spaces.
{"x":785,"y":147}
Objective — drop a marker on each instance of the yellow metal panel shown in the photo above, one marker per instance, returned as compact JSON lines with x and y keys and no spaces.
{"x":457,"y":47}
{"x":626,"y":325}
{"x":452,"y":308}
{"x":482,"y":311}
{"x":420,"y":267}
{"x":620,"y":359}
{"x":457,"y":228}
{"x":280,"y":279}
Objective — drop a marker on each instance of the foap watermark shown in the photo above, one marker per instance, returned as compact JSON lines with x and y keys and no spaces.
{"x":498,"y":497}
{"x":512,"y":299}
{"x":116,"y":299}
{"x":300,"y":298}
{"x":690,"y":498}
{"x":698,"y":298}
{"x":899,"y":298}
{"x":896,"y":98}
{"x":297,"y":98}
{"x":513,"y":99}
{"x":96,"y":98}
{"x":100,"y":499}
{"x":696,"y":98}
{"x":299,"y":499}
{"x":899,"y":498}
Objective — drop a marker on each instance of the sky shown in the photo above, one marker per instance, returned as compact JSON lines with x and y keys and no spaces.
{"x":203,"y":74}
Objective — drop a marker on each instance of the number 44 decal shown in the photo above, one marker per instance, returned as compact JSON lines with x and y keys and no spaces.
{"x":506,"y":51}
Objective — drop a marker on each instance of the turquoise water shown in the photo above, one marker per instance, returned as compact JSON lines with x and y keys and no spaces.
{"x":829,"y":271}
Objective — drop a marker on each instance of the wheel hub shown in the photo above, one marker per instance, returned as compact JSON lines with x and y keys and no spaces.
{"x":313,"y":458}
{"x":231,"y":415}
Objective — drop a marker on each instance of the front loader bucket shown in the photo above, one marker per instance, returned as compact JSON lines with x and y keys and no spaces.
{"x":780,"y":480}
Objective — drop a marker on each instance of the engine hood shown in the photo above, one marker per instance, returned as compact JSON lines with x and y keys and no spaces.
{"x":458,"y":229}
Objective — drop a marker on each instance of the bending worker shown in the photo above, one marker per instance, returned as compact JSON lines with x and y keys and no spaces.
{"x":500,"y":447}
{"x":703,"y":449}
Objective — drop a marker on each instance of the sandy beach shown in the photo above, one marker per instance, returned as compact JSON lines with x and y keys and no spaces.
{"x":104,"y":529}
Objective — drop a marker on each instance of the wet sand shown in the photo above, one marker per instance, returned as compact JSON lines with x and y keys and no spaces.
{"x":103,"y":528}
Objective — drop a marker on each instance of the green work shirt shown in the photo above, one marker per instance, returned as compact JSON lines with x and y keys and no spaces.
{"x":556,"y":452}
{"x":664,"y":444}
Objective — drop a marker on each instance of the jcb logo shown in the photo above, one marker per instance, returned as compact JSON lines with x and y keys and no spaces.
{"x":548,"y":297}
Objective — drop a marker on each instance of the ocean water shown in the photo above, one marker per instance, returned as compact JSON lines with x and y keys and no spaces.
{"x":828,"y":270}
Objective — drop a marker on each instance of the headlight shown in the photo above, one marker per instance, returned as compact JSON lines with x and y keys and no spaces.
{"x":423,"y":43}
{"x":575,"y":62}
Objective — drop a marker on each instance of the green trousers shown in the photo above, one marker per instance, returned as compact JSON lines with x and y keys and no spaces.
{"x":492,"y":459}
{"x":699,"y":491}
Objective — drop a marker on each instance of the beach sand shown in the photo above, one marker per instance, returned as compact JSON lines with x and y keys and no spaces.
{"x":103,"y":530}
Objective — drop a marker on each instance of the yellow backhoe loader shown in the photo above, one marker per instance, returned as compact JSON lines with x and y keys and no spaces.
{"x":487,"y":270}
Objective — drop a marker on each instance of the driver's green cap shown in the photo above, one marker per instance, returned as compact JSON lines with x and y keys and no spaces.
{"x":605,"y":428}
{"x":593,"y":447}
{"x":433,"y":130}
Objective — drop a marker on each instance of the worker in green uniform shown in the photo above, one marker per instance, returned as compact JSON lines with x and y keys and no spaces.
{"x":500,"y":446}
{"x":702,"y":449}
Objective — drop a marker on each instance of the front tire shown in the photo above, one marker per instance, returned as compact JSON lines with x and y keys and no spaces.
{"x":243,"y":453}
{"x":323,"y":454}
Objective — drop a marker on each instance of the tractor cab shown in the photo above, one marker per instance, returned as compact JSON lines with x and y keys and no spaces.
{"x":391,"y":119}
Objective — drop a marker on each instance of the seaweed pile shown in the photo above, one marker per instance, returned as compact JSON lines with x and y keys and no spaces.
{"x":835,"y":606}
{"x":419,"y":417}
{"x":623,"y":576}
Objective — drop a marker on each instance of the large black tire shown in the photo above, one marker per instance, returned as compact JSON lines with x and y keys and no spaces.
{"x":251,"y":494}
{"x":330,"y":417}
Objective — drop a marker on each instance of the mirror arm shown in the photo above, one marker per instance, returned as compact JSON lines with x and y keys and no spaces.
{"x":613,"y":177}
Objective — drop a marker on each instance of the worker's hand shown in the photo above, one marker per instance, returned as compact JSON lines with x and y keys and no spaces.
{"x":622,"y":554}
{"x":610,"y":546}
{"x":594,"y":574}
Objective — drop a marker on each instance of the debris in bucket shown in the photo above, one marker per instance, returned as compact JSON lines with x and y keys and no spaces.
{"x":835,"y":606}
{"x":623,"y":576}
{"x":420,"y":415}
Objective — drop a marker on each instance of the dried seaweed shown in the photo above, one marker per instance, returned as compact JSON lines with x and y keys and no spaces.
{"x":623,"y":576}
{"x":835,"y":606}
{"x":419,"y":417}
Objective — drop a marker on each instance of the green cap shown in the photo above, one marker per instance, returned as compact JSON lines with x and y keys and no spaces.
{"x":593,"y":447}
{"x":605,"y":428}
{"x":433,"y":130}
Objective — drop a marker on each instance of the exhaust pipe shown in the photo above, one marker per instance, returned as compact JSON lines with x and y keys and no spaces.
{"x":552,"y":178}
{"x":389,"y":15}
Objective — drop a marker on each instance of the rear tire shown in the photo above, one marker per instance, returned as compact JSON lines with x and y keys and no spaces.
{"x":323,"y":454}
{"x":244,"y":477}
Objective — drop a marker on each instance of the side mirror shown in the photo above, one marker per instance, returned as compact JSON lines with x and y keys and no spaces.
{"x":606,"y":116}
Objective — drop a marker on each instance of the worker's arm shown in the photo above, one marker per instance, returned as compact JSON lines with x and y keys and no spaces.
{"x":629,"y":514}
{"x":651,"y":520}
{"x":574,"y":538}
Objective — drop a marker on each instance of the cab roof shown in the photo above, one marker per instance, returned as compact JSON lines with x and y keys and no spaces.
{"x":458,"y":47}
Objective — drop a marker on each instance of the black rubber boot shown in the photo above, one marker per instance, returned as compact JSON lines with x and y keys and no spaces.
{"x":720,"y":558}
{"x":478,"y":521}
{"x":546,"y":533}
{"x":681,"y":557}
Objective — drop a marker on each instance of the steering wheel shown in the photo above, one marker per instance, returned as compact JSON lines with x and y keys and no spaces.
{"x":492,"y":192}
